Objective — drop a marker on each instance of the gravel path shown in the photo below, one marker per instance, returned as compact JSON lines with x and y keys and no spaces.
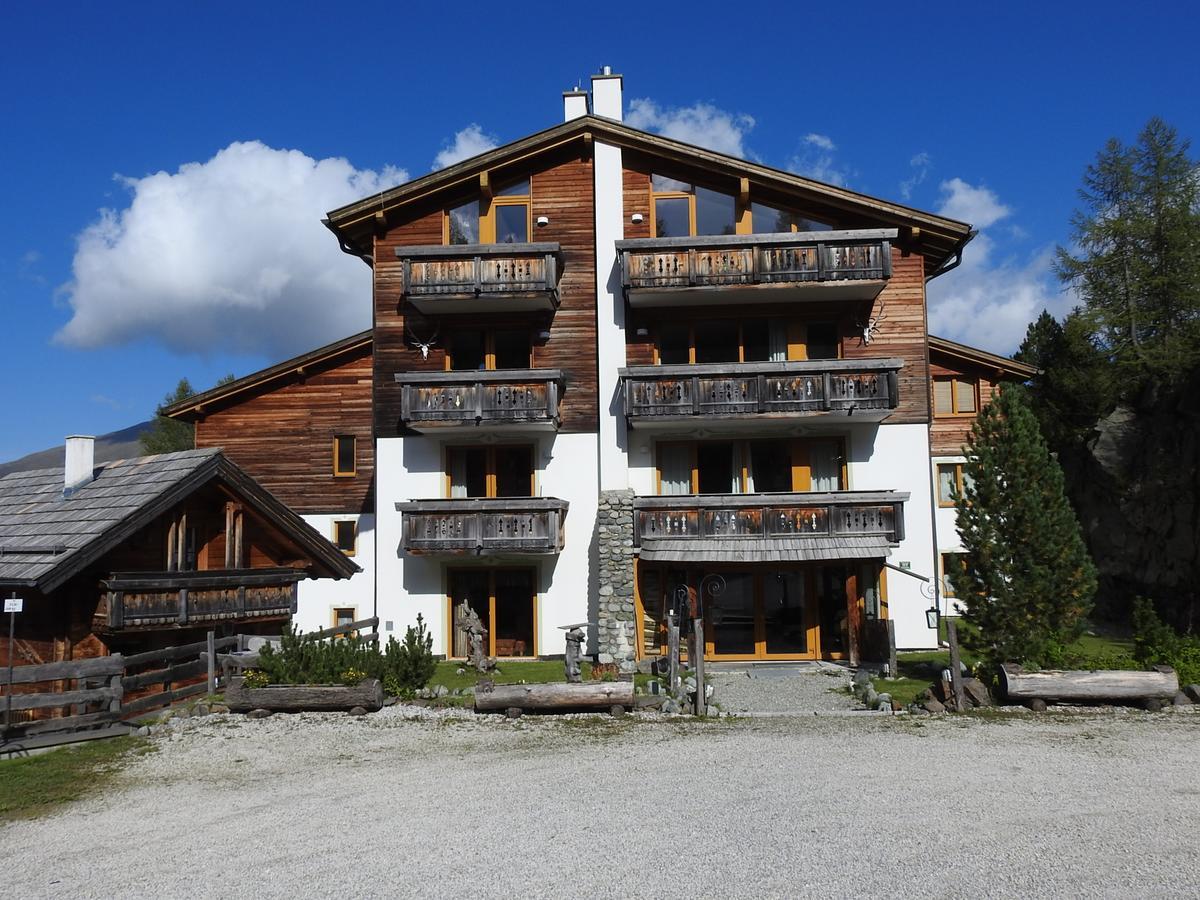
{"x":771,"y":690}
{"x":428,"y":803}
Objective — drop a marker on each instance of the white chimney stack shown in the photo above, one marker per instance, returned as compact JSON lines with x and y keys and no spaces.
{"x":574,"y":104}
{"x":606,"y":94}
{"x":80,"y":462}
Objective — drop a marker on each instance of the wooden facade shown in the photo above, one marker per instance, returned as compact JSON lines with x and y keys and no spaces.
{"x":563,"y":339}
{"x":948,"y":433}
{"x":280,"y":426}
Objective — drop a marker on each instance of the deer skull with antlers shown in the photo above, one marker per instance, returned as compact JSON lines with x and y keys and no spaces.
{"x":424,"y":346}
{"x":871,"y":325}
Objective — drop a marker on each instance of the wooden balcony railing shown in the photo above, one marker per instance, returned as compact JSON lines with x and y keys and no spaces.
{"x":749,"y":517}
{"x":502,"y":397}
{"x":481,"y":277}
{"x":479,"y":527}
{"x":139,"y":599}
{"x":855,"y":264}
{"x":860,"y":387}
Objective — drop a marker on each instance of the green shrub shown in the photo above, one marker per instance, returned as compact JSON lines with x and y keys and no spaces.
{"x":1156,"y":643}
{"x":256,"y":678}
{"x":404,"y":668}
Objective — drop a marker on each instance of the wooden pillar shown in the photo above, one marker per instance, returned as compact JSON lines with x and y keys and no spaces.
{"x":171,"y":562}
{"x":229,"y":535}
{"x":181,"y":542}
{"x":853,"y":625}
{"x":238,"y":553}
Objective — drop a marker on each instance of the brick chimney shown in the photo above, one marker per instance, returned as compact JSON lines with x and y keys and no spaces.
{"x":80,"y":462}
{"x":606,"y":94}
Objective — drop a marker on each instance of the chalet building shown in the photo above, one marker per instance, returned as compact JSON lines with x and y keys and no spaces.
{"x":611,"y":374}
{"x":149,"y":552}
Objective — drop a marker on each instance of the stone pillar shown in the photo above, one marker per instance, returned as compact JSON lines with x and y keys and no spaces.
{"x":616,"y":641}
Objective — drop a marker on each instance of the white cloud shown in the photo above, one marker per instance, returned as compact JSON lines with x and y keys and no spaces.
{"x":471,"y":141}
{"x":701,"y":124}
{"x":226,"y":255}
{"x":920,"y":164}
{"x":820,"y":141}
{"x":816,"y":160}
{"x":990,"y":299}
{"x":977,"y":206}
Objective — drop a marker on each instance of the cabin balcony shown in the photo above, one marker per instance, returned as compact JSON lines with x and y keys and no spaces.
{"x":173,"y":599}
{"x":756,"y":268}
{"x":760,"y":392}
{"x":498,"y":526}
{"x":776,"y":527}
{"x":519,"y":399}
{"x":478,"y":278}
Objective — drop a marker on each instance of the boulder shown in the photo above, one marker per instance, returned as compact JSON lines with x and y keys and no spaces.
{"x":1193,"y":691}
{"x":870,"y":698}
{"x":358,"y":711}
{"x":976,"y":691}
{"x":862,"y":677}
{"x":1182,"y":699}
{"x":258,"y":714}
{"x":933,"y":705}
{"x":884,"y":706}
{"x":218,"y":708}
{"x":670,"y":706}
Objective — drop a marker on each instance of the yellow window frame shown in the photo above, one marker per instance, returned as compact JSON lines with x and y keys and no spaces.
{"x":337,"y":471}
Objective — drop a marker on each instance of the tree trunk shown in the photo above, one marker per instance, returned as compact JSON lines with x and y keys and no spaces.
{"x":304,"y":697}
{"x":1162,"y":683}
{"x":602,"y":695}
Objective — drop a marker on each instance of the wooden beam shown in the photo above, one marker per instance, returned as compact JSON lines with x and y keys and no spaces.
{"x":485,"y":186}
{"x":229,"y":535}
{"x":238,"y":551}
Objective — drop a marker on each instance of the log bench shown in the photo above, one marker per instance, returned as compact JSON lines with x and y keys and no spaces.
{"x":1149,"y":689}
{"x":304,"y":697}
{"x":613,"y":696}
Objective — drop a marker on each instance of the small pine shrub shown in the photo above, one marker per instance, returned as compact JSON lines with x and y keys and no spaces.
{"x":408,"y":666}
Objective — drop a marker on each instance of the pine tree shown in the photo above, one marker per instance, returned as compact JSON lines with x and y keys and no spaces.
{"x":1027,"y":579}
{"x":166,"y":435}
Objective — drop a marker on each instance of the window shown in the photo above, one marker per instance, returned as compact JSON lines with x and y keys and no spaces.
{"x":770,"y":220}
{"x":476,"y":350}
{"x":952,"y":480}
{"x":504,"y":601}
{"x":344,"y":455}
{"x":344,"y":615}
{"x":345,"y":536}
{"x":952,"y":564}
{"x":680,"y":209}
{"x":955,"y":397}
{"x":501,"y":219}
{"x":769,"y":465}
{"x":504,"y":471}
{"x":725,"y":341}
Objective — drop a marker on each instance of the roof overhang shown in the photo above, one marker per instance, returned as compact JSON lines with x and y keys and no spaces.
{"x":977,"y":357}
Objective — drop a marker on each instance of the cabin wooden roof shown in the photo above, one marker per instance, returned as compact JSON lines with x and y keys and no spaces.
{"x":936,"y":237}
{"x":1002,"y":365}
{"x":46,"y":538}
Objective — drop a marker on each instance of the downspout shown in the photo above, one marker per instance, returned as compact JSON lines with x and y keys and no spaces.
{"x":351,"y":250}
{"x":957,"y":261}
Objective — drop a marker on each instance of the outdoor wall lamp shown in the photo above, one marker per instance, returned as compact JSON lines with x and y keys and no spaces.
{"x":643,"y":332}
{"x":931,"y":617}
{"x":543,"y":221}
{"x":637,"y":218}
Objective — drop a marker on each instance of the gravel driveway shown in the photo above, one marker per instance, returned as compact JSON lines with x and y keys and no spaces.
{"x":421,"y":803}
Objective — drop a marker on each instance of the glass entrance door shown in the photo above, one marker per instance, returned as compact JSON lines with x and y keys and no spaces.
{"x":786,"y":613}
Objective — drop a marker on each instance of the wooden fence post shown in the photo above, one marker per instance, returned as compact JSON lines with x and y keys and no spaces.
{"x":893,"y":665}
{"x":955,"y":665}
{"x":698,"y":641}
{"x":212,"y":662}
{"x":672,"y":655}
{"x":114,"y":682}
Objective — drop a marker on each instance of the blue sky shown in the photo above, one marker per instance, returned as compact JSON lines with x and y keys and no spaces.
{"x":163,"y":168}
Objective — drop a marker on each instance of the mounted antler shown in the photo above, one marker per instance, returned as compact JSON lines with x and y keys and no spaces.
{"x":424,"y":346}
{"x":870,"y":326}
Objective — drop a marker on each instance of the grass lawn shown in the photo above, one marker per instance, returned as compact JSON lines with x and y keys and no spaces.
{"x":33,"y":785}
{"x":539,"y":671}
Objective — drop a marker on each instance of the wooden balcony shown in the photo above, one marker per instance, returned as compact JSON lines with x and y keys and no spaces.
{"x":756,"y":268}
{"x":509,"y":398}
{"x":525,"y":526}
{"x":784,"y":526}
{"x":474,"y":278}
{"x":867,"y":389}
{"x":162,"y":599}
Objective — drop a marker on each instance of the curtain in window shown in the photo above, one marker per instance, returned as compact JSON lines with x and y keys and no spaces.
{"x":825,"y":466}
{"x":943,"y":396}
{"x":458,"y":475}
{"x":735,"y":474}
{"x":777,"y":339}
{"x":945,"y":484}
{"x":675,"y":465}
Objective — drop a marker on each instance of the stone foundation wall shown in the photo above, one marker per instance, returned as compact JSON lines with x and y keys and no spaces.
{"x":615,"y":639}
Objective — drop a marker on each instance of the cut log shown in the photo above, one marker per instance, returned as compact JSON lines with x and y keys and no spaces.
{"x":1089,"y":687}
{"x":600,"y":695}
{"x":304,"y":697}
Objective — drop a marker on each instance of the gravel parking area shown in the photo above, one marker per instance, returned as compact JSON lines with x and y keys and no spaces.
{"x":429,"y":803}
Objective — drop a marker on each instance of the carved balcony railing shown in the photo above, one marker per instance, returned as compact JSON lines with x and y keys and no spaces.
{"x":504,"y":397}
{"x":479,"y":527}
{"x":744,"y":522}
{"x":147,"y":599}
{"x":864,"y":388}
{"x":722,"y":269}
{"x":471,"y":278}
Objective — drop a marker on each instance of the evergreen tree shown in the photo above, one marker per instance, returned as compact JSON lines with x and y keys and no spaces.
{"x":1027,"y":579}
{"x":1138,"y":266}
{"x":167,"y":435}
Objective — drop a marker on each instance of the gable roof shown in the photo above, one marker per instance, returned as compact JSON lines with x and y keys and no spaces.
{"x":46,"y":538}
{"x":936,"y":237}
{"x":193,"y":407}
{"x":1003,"y":364}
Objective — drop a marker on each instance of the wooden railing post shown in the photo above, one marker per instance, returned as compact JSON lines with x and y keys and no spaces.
{"x":212,"y":662}
{"x":183,"y":606}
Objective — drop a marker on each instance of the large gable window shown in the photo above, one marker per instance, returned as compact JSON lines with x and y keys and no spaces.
{"x":681,"y":209}
{"x":766,"y":219}
{"x":501,"y":219}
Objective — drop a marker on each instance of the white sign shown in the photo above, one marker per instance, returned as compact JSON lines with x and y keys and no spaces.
{"x":13,"y":604}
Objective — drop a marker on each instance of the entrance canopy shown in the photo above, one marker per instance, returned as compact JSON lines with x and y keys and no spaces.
{"x":808,"y":549}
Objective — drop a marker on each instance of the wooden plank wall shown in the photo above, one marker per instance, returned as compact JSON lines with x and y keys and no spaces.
{"x":561,"y":189}
{"x":282,"y":435}
{"x":948,"y":434}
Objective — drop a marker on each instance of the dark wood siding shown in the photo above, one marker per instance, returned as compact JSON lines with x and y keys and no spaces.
{"x":282,"y":434}
{"x":561,"y":188}
{"x":947,"y":434}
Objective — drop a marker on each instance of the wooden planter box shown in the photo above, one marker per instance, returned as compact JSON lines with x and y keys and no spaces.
{"x":304,"y":697}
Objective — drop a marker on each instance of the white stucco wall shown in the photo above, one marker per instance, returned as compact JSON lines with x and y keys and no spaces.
{"x":896,"y":457}
{"x":411,"y":469}
{"x":316,"y":598}
{"x":948,"y":539}
{"x":610,"y":315}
